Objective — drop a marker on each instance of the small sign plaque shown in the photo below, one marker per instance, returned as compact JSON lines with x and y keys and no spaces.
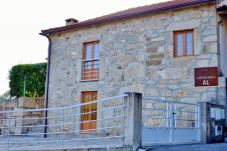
{"x":206,"y":76}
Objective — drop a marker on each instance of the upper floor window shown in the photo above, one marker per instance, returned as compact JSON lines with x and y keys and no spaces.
{"x":183,"y":43}
{"x":90,"y":65}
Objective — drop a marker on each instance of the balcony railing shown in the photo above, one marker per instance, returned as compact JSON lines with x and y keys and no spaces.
{"x":90,"y":69}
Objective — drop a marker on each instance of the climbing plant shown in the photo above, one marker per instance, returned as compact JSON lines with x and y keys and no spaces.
{"x":35,"y":76}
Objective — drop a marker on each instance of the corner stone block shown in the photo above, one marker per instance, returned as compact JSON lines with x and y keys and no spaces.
{"x":133,"y":131}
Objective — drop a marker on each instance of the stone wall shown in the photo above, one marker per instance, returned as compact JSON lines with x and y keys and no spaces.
{"x":23,"y":103}
{"x":136,"y":55}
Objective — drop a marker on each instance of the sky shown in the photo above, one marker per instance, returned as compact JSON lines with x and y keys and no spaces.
{"x":22,"y":21}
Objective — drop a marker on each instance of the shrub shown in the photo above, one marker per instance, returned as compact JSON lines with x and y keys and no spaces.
{"x":35,"y":83}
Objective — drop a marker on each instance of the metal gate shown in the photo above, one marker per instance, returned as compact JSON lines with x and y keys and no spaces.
{"x":166,"y":122}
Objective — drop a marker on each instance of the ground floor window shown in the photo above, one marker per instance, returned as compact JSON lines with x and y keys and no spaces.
{"x":89,"y":112}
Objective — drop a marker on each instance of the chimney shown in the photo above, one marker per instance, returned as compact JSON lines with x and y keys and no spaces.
{"x":71,"y":21}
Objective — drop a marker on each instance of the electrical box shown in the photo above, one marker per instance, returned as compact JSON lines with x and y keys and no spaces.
{"x":218,"y":131}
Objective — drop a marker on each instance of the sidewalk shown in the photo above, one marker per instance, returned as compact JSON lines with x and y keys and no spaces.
{"x":195,"y":147}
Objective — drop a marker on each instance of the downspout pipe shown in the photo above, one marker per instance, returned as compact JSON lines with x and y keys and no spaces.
{"x":47,"y":85}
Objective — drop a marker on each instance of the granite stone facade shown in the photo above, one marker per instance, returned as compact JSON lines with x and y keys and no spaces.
{"x":137,"y":55}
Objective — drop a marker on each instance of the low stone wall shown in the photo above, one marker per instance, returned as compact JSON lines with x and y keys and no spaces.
{"x":23,"y":103}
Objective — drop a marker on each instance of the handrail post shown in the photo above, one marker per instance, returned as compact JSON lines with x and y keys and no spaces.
{"x":62,"y":130}
{"x":167,"y":115}
{"x":171,"y":123}
{"x":198,"y":121}
{"x":204,"y":121}
{"x":8,"y":137}
{"x":133,"y":131}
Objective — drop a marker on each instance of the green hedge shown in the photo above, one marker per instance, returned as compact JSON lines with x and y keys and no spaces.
{"x":35,"y":83}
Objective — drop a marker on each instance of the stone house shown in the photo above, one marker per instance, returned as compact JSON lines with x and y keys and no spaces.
{"x":155,"y":50}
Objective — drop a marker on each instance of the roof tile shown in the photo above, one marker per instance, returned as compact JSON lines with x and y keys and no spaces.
{"x":133,"y":12}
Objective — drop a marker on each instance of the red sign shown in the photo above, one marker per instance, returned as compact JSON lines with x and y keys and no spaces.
{"x":206,"y":76}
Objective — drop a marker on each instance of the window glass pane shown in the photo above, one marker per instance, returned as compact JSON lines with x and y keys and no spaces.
{"x":96,"y":51}
{"x":96,"y":55}
{"x":88,"y":52}
{"x":94,"y":109}
{"x":87,"y":66}
{"x":88,"y":56}
{"x":180,"y":45}
{"x":94,"y":96}
{"x":189,"y":43}
{"x":87,"y":97}
{"x":89,"y":111}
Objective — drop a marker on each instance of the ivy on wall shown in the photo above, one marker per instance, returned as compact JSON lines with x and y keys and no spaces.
{"x":35,"y":80}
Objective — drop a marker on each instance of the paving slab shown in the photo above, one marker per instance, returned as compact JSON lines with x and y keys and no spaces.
{"x":191,"y":147}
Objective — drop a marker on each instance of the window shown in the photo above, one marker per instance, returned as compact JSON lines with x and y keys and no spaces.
{"x":89,"y":112}
{"x":183,"y":43}
{"x":90,"y":65}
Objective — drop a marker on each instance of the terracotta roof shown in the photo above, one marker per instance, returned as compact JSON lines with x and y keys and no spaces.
{"x":133,"y":12}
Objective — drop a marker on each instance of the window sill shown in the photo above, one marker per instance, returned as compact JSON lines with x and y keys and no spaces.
{"x":192,"y":56}
{"x":90,"y":80}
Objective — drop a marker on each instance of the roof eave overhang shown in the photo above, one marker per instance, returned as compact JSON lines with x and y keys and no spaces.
{"x":128,"y":16}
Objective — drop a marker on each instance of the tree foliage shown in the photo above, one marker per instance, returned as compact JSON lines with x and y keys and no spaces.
{"x":35,"y":80}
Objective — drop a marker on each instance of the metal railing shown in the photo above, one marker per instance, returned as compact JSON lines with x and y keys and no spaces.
{"x":66,"y":129}
{"x":90,"y":69}
{"x":173,"y":122}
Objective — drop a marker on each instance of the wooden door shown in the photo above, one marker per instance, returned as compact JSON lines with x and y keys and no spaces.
{"x":89,"y":112}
